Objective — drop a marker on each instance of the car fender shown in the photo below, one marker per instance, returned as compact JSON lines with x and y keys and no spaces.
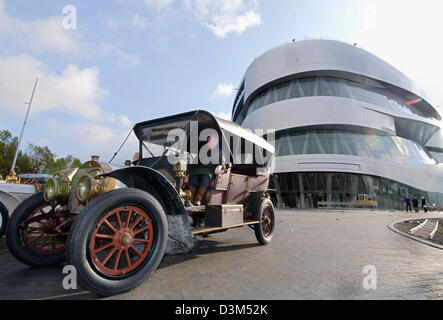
{"x":9,"y":201}
{"x":254,"y":203}
{"x":153,"y":182}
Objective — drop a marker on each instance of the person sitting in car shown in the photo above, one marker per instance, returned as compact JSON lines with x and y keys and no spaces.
{"x":136,"y":159}
{"x":201,"y":175}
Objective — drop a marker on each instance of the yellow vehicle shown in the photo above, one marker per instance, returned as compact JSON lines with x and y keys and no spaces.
{"x":363,"y":201}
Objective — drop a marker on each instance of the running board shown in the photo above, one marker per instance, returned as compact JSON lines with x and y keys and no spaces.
{"x":201,"y":230}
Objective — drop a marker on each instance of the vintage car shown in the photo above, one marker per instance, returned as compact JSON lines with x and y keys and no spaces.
{"x":127,"y":219}
{"x":13,"y":192}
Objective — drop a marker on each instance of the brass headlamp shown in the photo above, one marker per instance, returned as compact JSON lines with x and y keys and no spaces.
{"x":56,"y":189}
{"x":89,"y":187}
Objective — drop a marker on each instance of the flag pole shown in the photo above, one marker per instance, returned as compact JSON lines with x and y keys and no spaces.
{"x":23,"y":129}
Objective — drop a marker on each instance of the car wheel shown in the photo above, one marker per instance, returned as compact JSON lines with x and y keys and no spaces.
{"x":4,"y":217}
{"x":264,"y":231}
{"x":30,"y":233}
{"x":118,"y":241}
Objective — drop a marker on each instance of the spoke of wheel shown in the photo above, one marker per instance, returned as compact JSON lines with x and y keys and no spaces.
{"x":136,"y":222}
{"x":106,"y":246}
{"x":43,"y":212}
{"x":44,"y":243}
{"x":104,"y":236}
{"x":39,"y":237}
{"x":128,"y":219}
{"x":35,"y":228}
{"x":33,"y":217}
{"x":106,"y":222}
{"x":117,"y":259}
{"x":142,"y":229}
{"x":136,"y":250}
{"x":109,"y":255}
{"x":119,"y":221}
{"x":141,"y":240}
{"x":128,"y":261}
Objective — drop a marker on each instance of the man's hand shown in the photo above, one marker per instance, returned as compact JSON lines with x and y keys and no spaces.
{"x":218,"y":169}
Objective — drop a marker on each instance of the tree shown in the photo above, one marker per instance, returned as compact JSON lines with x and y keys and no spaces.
{"x":64,"y":163}
{"x":41,"y":158}
{"x":36,"y":159}
{"x":8,"y":145}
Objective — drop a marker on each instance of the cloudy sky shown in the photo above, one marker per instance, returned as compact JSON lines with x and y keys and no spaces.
{"x":104,"y":65}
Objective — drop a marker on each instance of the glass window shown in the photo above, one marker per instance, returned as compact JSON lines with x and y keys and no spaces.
{"x":330,"y":86}
{"x":438,"y":156}
{"x":389,"y":148}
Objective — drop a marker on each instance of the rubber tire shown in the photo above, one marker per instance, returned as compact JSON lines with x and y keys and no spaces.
{"x":5,"y":217}
{"x":14,"y":240}
{"x":78,"y":244}
{"x":258,"y":227}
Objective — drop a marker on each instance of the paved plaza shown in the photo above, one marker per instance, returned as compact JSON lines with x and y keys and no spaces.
{"x":316,"y":254}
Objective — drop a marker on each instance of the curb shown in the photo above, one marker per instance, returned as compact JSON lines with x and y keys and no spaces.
{"x":434,"y":231}
{"x":412,"y":231}
{"x":429,"y":243}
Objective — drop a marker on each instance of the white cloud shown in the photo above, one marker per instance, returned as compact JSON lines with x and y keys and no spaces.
{"x":95,"y":139}
{"x":75,"y":90}
{"x":407,"y":41}
{"x":223,"y":90}
{"x":158,"y":4}
{"x":224,"y":17}
{"x":48,"y":35}
{"x":124,"y":121}
{"x":123,"y":58}
{"x":221,"y":17}
{"x":139,"y":22}
{"x":223,"y":115}
{"x":39,"y":35}
{"x":127,"y":59}
{"x":44,"y":142}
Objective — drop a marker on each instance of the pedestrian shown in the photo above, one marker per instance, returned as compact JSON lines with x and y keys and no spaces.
{"x":423,"y":204}
{"x":408,"y":203}
{"x":415,"y":203}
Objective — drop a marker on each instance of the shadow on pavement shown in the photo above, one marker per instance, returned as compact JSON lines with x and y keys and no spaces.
{"x":19,"y":281}
{"x":205,"y":246}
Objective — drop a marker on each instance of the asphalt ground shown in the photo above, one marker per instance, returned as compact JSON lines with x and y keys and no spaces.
{"x":315,"y":254}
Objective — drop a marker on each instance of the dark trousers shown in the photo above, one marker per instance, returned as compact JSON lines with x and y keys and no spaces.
{"x":408,"y":206}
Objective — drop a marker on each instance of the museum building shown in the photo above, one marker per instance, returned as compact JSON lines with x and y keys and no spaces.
{"x":350,"y":129}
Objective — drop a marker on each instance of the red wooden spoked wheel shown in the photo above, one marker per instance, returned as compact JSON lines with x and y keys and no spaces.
{"x":265,"y":229}
{"x":122,"y":241}
{"x":267,"y":222}
{"x":39,"y":232}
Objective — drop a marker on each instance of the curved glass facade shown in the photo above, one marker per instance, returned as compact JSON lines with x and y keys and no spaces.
{"x":438,"y":156}
{"x":332,"y":189}
{"x":336,"y":87}
{"x":326,"y":141}
{"x":302,"y":93}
